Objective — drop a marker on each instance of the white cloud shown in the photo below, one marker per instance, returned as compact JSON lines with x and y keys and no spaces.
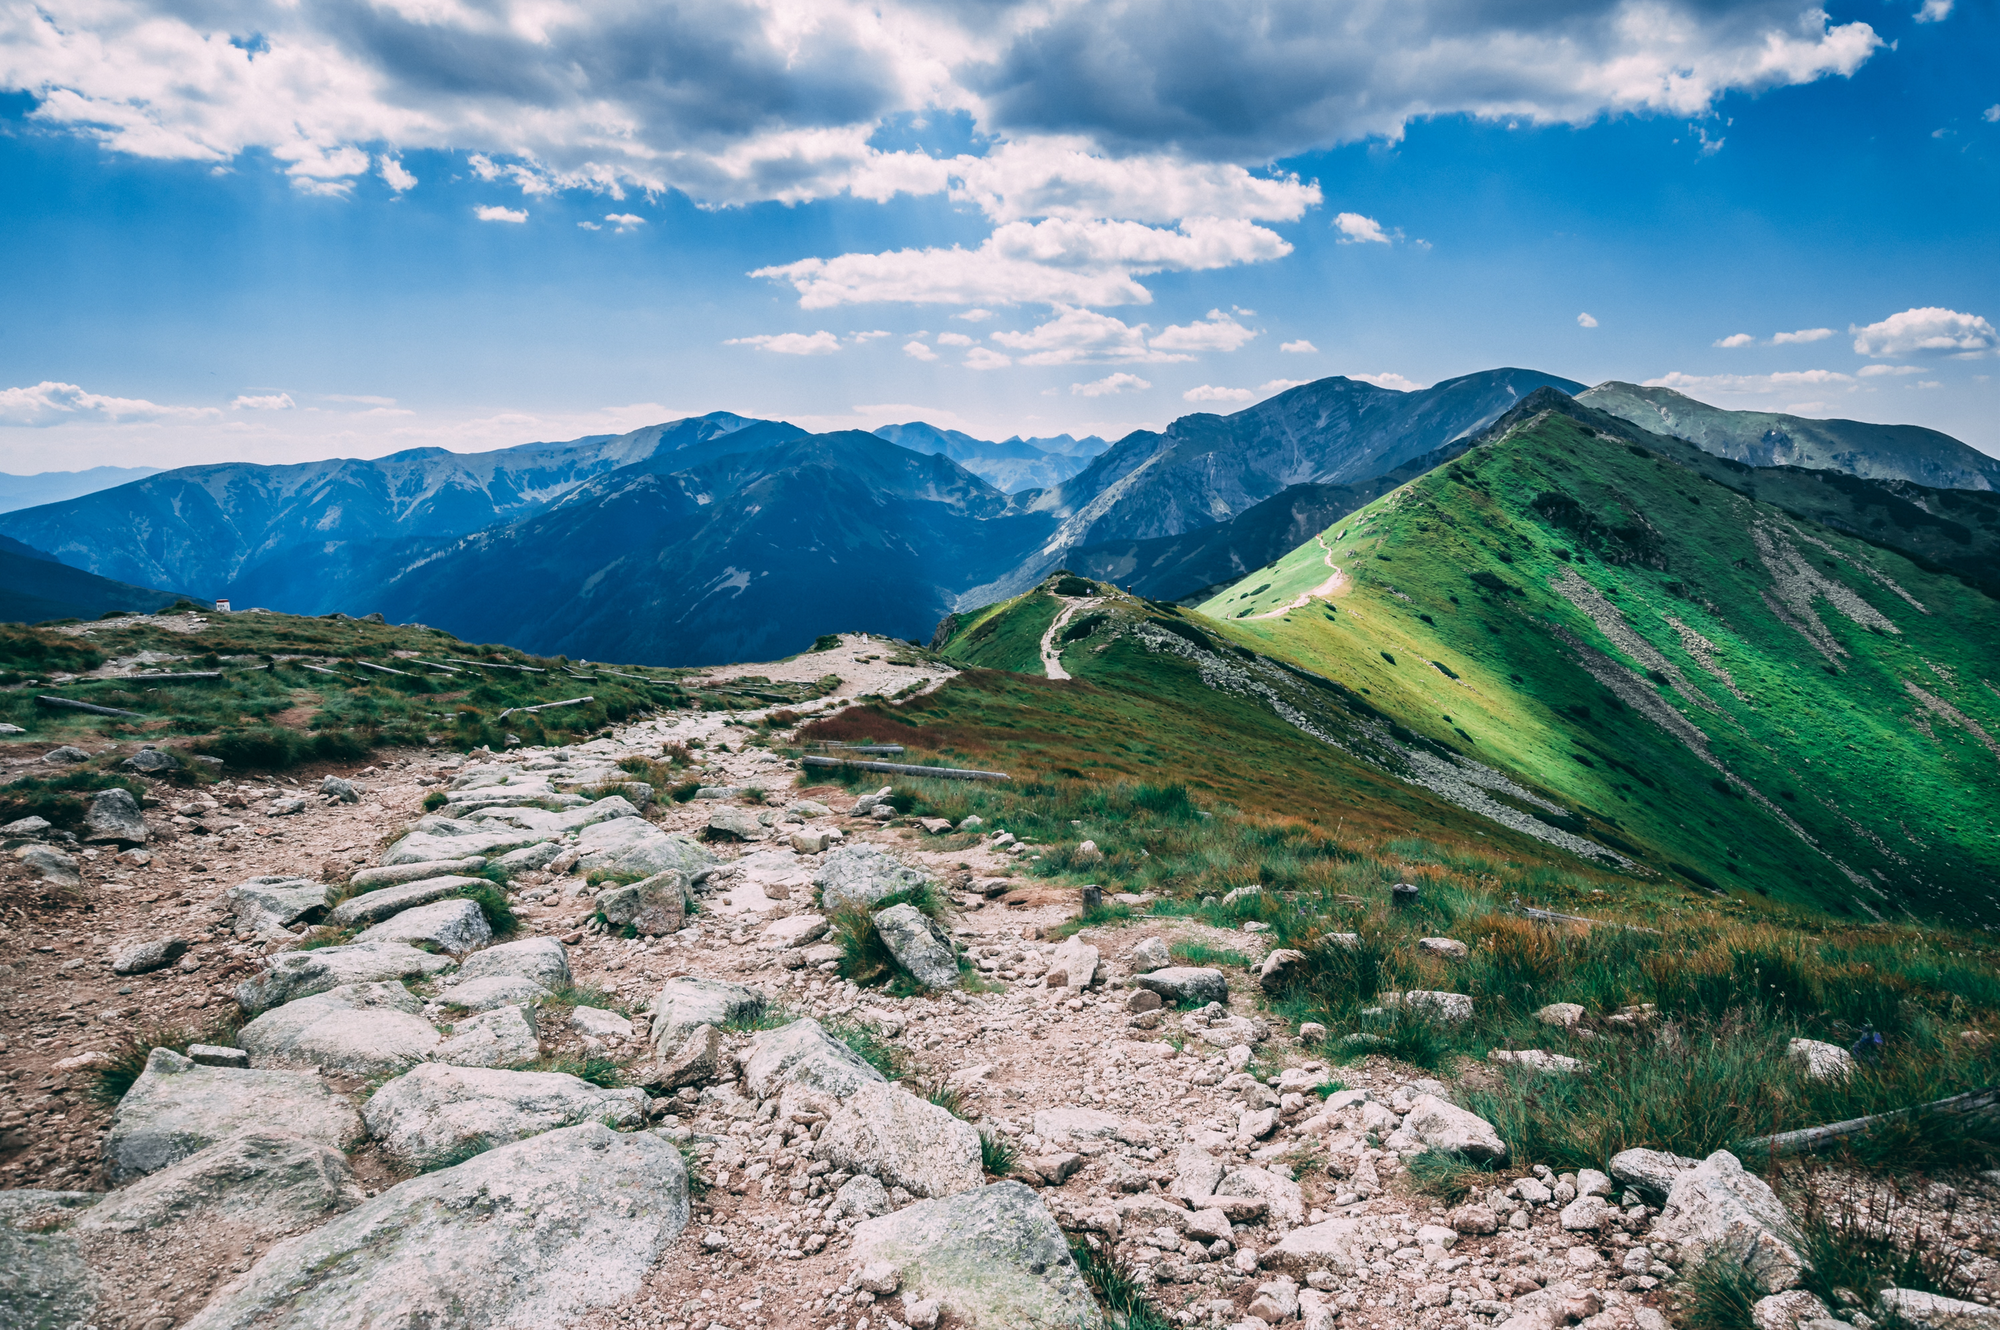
{"x":1110,"y":385}
{"x":1934,"y":11}
{"x":1300,"y":348}
{"x":1585,"y":321}
{"x":272,"y":402}
{"x":490,"y":213}
{"x":1878,"y":371}
{"x":1802,"y":335}
{"x":1082,"y":337}
{"x":624,"y":221}
{"x":918,"y":351}
{"x":1735,"y":340}
{"x":364,"y":401}
{"x":1928,"y":383}
{"x":589,"y":226}
{"x":874,"y":334}
{"x":1209,"y":393}
{"x":1216,"y":332}
{"x":821,"y":343}
{"x":52,"y":403}
{"x":1929,"y":330}
{"x":981,"y":357}
{"x":954,"y":339}
{"x":1992,"y":114}
{"x":1395,"y":382}
{"x":1358,"y":230}
{"x":974,"y":315}
{"x":1053,"y":262}
{"x":1788,"y":381}
{"x":393,"y":174}
{"x":1279,"y":385}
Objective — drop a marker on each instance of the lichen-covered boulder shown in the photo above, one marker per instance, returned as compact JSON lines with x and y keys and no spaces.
{"x":440,"y":1114}
{"x":178,"y":1107}
{"x":864,"y":874}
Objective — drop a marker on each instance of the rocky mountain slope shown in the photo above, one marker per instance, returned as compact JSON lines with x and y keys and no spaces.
{"x":1009,"y":466}
{"x":55,"y":486}
{"x":1763,"y":438}
{"x":35,"y":587}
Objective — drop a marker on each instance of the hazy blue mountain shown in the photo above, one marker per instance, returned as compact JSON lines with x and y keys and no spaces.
{"x":1763,"y":438}
{"x":36,"y":587}
{"x":1012,"y":465}
{"x":1205,"y":469}
{"x":55,"y":486}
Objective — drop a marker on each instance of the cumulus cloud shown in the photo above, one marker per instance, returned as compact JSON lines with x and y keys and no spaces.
{"x":1992,"y":114}
{"x":1358,"y":230}
{"x":821,"y":343}
{"x":1395,"y":382}
{"x":393,"y":174}
{"x":624,"y":221}
{"x":1585,"y":321}
{"x":494,"y":213}
{"x":51,"y":403}
{"x":1265,"y":389}
{"x":1210,"y":393}
{"x":954,"y":339}
{"x":270,"y":402}
{"x":1879,"y":371}
{"x":974,"y":315}
{"x":1735,"y":340}
{"x":1934,"y":11}
{"x":1785,"y":382}
{"x":1300,"y":348}
{"x":983,"y":357}
{"x":1081,"y":336}
{"x":1110,"y":385}
{"x":1217,"y":332}
{"x":1926,"y":331}
{"x":918,"y":351}
{"x":1802,"y":335}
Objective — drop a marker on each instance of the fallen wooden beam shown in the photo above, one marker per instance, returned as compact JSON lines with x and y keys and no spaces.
{"x":1550,"y":916}
{"x":544,"y":706}
{"x":431,"y":664}
{"x":1974,"y":1107}
{"x":193,"y":676}
{"x":384,"y":669}
{"x":69,"y":704}
{"x":835,"y":747}
{"x":639,"y":677}
{"x":495,"y":665}
{"x":320,"y":669}
{"x":902,"y":769}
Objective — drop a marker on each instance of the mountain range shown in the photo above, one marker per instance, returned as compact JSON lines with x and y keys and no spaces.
{"x":55,"y":486}
{"x":720,"y":537}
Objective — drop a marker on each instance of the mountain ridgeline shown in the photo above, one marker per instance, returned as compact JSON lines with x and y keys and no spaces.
{"x":720,"y":537}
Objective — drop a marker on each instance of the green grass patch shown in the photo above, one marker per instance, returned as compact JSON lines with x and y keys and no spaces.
{"x":109,"y":1081}
{"x":1449,"y":1177}
{"x":599,"y":1071}
{"x":1118,"y":1295}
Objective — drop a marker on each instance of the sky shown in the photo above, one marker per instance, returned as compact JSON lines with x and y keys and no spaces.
{"x":237,"y":231}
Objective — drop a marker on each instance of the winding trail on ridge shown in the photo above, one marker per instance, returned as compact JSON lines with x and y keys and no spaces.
{"x":1320,"y":592}
{"x":1051,"y":652}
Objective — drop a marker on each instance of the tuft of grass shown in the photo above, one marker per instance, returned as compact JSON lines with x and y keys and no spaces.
{"x":1200,"y":953}
{"x":950,"y":1099}
{"x":770,"y":1016}
{"x":326,"y":935}
{"x":871,"y":1048}
{"x":1447,"y":1175}
{"x":599,"y":1071}
{"x":997,"y":1154}
{"x":1718,"y":1294}
{"x":697,"y":1183}
{"x":568,"y":997}
{"x":500,"y":917}
{"x":1118,"y":1294}
{"x":435,"y":800}
{"x":1866,"y":1237}
{"x":110,"y":1081}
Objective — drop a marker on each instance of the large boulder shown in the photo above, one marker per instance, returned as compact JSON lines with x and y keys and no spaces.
{"x":683,"y":1004}
{"x":542,"y":959}
{"x":1651,"y":1171}
{"x":1073,"y":964}
{"x":266,"y":1182}
{"x":499,"y":990}
{"x":993,"y":1259}
{"x":628,"y":846}
{"x":45,"y":1281}
{"x":1444,"y":1126}
{"x":50,"y":865}
{"x":863,"y":874}
{"x":292,"y":975}
{"x":178,"y":1107}
{"x":533,"y":1234}
{"x":371,"y":879}
{"x":438,"y":1115}
{"x":797,"y":930}
{"x":453,"y":925}
{"x":114,"y":817}
{"x":502,"y":1037}
{"x":735,"y":823}
{"x":653,"y":906}
{"x":270,"y":904}
{"x":919,"y":946}
{"x":148,"y":956}
{"x":1328,"y":1245}
{"x":374,"y":906}
{"x":1185,"y":984}
{"x":1718,"y":1210}
{"x":361,"y":1029}
{"x":802,"y":1053}
{"x":1284,"y":1200}
{"x":1934,"y":1311}
{"x":890,"y":1133}
{"x":448,"y":838}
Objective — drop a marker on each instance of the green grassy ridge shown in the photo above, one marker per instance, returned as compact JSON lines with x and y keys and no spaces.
{"x":1452,"y":623}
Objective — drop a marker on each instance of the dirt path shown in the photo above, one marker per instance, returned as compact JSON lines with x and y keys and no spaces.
{"x":1051,"y":649}
{"x":1320,"y":592}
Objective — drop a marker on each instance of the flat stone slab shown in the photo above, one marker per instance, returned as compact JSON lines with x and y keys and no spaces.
{"x":267,"y":1181}
{"x":802,"y":1053}
{"x":440,"y":1114}
{"x":451,"y":925}
{"x":374,"y":906}
{"x":886,"y":1131}
{"x":45,"y":1281}
{"x":178,"y":1107}
{"x":500,"y":990}
{"x":530,"y":1235}
{"x":265,"y":904}
{"x":292,"y":975}
{"x":502,"y":1037}
{"x":542,"y":959}
{"x":862,"y":875}
{"x":362,"y":1029}
{"x":1185,"y":983}
{"x":370,"y":879}
{"x":683,"y":1004}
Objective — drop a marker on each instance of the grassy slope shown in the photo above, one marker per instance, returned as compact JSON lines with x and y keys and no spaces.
{"x":1887,"y":784}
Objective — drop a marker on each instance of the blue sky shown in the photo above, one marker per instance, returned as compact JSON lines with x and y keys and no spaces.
{"x":272,"y":233}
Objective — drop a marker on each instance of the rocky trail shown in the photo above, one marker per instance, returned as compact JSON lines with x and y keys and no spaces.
{"x":1051,"y":647}
{"x":1320,"y":592}
{"x":647,"y":1107}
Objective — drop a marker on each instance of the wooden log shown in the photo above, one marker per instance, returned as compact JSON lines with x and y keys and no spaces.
{"x":1975,"y":1108}
{"x":901,"y":769}
{"x":70,"y":704}
{"x":384,"y":669}
{"x":1550,"y":916}
{"x":320,"y":669}
{"x":495,"y":665}
{"x":544,"y":706}
{"x":192,"y":676}
{"x":834,"y":746}
{"x":433,"y":665}
{"x":639,"y":677}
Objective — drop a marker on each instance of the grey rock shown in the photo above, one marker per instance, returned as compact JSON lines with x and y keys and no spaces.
{"x":1186,"y":983}
{"x":1796,"y":1308}
{"x":796,"y":930}
{"x":1450,"y":948}
{"x":1073,"y":964}
{"x":369,"y":879}
{"x":863,"y":1195}
{"x":1196,"y":1175}
{"x":1280,"y":969}
{"x":808,"y":808}
{"x":267,"y":1182}
{"x":114,"y":817}
{"x":737,"y":823}
{"x":683,"y":1004}
{"x":542,"y":959}
{"x":1450,"y":1008}
{"x":177,"y":1107}
{"x":888,"y":1132}
{"x":452,"y":925}
{"x":45,"y":1281}
{"x":439,"y":1114}
{"x":499,"y":990}
{"x":1328,"y":1245}
{"x":814,"y":840}
{"x":292,"y":975}
{"x":1650,"y":1171}
{"x":920,"y":947}
{"x":272,"y":904}
{"x":654,"y":906}
{"x":285,"y":807}
{"x":340,"y":789}
{"x":146,"y":957}
{"x":633,"y":846}
{"x":1717,"y":1210}
{"x":1150,"y":954}
{"x":862,"y":875}
{"x":448,"y":839}
{"x":530,"y":857}
{"x":533,"y":1234}
{"x":26,"y":826}
{"x":1819,"y":1060}
{"x":502,"y":1037}
{"x":217,"y":1055}
{"x":51,"y":865}
{"x":150,"y":761}
{"x":1443,"y":1126}
{"x":1561,"y":1014}
{"x":994,"y":1258}
{"x":803,"y":1054}
{"x":67,"y":755}
{"x":368,"y":1029}
{"x":1932,"y":1311}
{"x":374,"y":906}
{"x":604,"y":1024}
{"x":1283,"y":1199}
